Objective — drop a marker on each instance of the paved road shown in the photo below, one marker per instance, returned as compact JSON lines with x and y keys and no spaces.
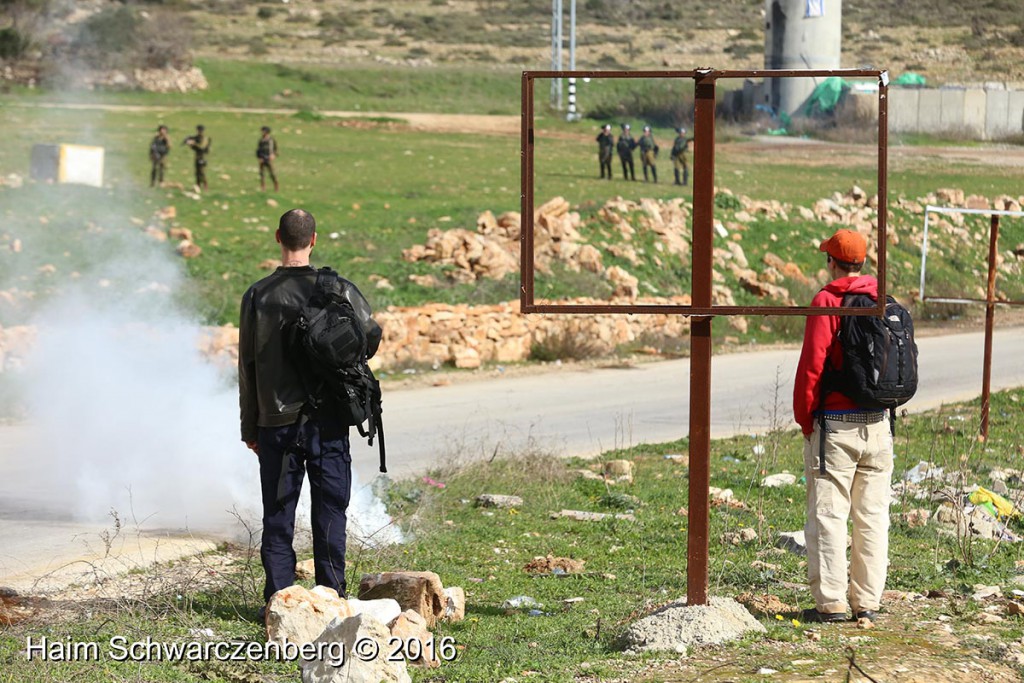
{"x":584,"y":412}
{"x":568,"y":412}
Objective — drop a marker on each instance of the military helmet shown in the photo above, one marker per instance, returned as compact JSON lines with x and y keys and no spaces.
{"x":265,"y":129}
{"x":606,"y":126}
{"x":681,"y":131}
{"x":161,"y":127}
{"x":647,"y":129}
{"x":200,"y":128}
{"x":625,"y":126}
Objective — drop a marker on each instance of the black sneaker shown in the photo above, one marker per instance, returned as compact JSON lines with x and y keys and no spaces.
{"x":870,"y":615}
{"x":813,"y":616}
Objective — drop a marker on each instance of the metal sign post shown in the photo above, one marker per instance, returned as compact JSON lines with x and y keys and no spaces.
{"x":701,"y":307}
{"x":990,"y":299}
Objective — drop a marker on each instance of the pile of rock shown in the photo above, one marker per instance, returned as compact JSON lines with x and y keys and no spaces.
{"x":493,"y":250}
{"x":170,"y":79}
{"x":467,"y":336}
{"x":391,"y":606}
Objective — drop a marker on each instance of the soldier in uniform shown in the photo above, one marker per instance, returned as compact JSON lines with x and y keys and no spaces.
{"x":625,"y":147}
{"x":648,"y":153}
{"x":605,"y":145}
{"x":200,"y":144}
{"x":266,"y":152}
{"x":159,"y":148}
{"x":679,"y":156}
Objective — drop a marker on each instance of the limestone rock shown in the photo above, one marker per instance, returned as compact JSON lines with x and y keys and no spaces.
{"x":410,"y":626}
{"x":493,"y":500}
{"x":551,"y":564}
{"x":455,"y":605}
{"x":677,"y":626}
{"x":421,"y":592}
{"x":384,"y":610}
{"x":778,"y":480}
{"x":626,"y":286}
{"x":584,"y":516}
{"x":305,"y":570}
{"x":180,"y":233}
{"x":300,"y":615}
{"x":793,"y":541}
{"x":189,"y":250}
{"x":619,"y":470}
{"x":355,"y":630}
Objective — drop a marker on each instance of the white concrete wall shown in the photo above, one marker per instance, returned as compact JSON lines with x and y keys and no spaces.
{"x":986,"y":114}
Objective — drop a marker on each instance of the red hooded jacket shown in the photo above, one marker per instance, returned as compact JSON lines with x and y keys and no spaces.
{"x":819,"y":343}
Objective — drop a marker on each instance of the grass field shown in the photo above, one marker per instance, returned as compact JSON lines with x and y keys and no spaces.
{"x":377,"y":185}
{"x":631,"y":567}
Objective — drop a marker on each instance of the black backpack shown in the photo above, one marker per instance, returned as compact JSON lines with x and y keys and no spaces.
{"x":330,"y":350}
{"x":879,"y":356}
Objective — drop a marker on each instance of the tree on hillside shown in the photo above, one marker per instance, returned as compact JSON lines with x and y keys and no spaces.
{"x":25,"y":17}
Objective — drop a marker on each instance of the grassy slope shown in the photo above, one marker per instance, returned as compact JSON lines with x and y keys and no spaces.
{"x":405,"y":183}
{"x":629,"y":568}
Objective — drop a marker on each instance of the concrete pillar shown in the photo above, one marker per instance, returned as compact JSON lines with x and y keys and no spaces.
{"x":800,"y":34}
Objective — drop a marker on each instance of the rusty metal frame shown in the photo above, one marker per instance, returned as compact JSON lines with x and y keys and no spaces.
{"x":702,"y":310}
{"x":703,"y":206}
{"x":990,"y":301}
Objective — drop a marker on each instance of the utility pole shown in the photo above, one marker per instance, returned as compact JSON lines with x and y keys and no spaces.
{"x":556,"y":52}
{"x":573,"y":115}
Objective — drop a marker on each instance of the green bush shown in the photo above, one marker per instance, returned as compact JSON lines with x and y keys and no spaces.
{"x":12,"y":43}
{"x":265,"y":12}
{"x":121,"y":37}
{"x":659,"y":103}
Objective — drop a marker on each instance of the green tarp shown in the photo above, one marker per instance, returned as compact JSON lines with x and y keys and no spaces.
{"x":826,"y":96}
{"x":910,"y":79}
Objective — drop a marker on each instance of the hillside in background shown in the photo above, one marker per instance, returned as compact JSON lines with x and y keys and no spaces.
{"x":970,"y":43}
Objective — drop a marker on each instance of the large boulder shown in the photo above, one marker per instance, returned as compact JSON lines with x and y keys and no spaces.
{"x":366,"y":649}
{"x":421,"y":592}
{"x":299,"y":615}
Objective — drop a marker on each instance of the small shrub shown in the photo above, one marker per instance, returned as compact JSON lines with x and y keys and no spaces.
{"x":258,"y":47}
{"x":308,"y":115}
{"x":565,"y":346}
{"x":265,"y":12}
{"x":727,"y":202}
{"x":12,"y":44}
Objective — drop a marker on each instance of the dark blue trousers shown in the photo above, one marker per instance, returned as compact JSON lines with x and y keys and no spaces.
{"x":322,"y":449}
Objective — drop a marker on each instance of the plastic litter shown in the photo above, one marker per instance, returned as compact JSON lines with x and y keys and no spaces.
{"x":921,"y":471}
{"x":994,"y":503}
{"x":520,"y":601}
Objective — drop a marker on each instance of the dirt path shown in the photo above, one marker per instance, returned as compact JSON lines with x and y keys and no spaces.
{"x":435,"y":123}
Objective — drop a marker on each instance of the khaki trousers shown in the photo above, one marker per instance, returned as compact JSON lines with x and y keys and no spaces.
{"x":857,"y":485}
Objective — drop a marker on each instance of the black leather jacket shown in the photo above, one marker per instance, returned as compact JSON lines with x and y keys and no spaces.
{"x":270,"y":390}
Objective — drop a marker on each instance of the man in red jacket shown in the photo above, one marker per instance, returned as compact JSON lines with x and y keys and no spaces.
{"x":858,"y":456}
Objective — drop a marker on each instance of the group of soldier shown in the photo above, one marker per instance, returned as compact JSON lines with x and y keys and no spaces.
{"x":606,"y":146}
{"x":160,"y":147}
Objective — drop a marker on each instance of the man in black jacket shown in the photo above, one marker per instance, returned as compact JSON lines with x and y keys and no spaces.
{"x":272,"y":394}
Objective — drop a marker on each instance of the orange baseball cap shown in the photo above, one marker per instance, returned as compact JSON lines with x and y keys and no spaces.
{"x":848,"y":246}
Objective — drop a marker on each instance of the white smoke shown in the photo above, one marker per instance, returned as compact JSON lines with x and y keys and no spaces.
{"x":126,"y":415}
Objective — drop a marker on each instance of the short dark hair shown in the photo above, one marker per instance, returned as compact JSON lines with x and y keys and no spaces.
{"x":846,"y":265}
{"x":296,"y":229}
